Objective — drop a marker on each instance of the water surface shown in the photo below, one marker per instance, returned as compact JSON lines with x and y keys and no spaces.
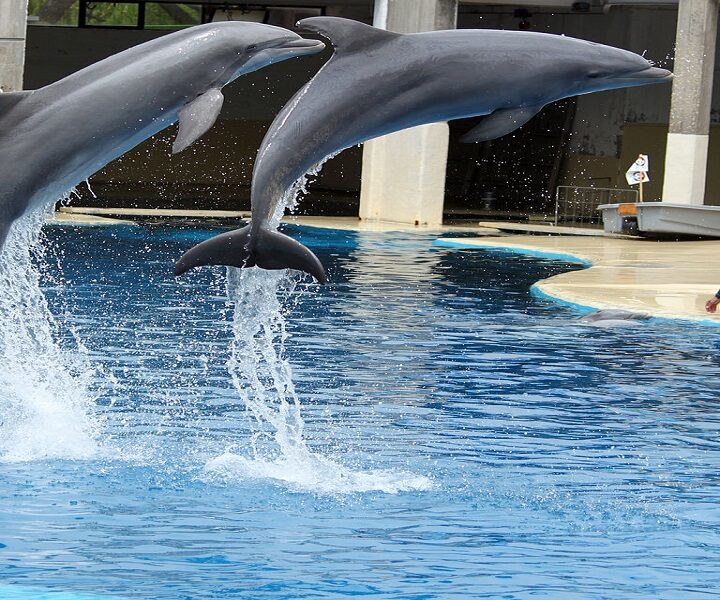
{"x":460,"y":438}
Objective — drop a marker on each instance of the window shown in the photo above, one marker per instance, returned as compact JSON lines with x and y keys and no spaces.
{"x":110,"y":14}
{"x":138,"y":14}
{"x":53,"y":12}
{"x":167,"y":15}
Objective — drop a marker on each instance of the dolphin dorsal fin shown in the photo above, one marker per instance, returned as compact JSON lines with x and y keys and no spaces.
{"x":10,"y":99}
{"x":346,"y":33}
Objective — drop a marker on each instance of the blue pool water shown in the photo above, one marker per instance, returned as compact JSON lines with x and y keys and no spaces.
{"x":458,"y":437}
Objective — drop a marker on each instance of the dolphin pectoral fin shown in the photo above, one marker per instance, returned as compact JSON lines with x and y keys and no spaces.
{"x":345,"y":33}
{"x":196,"y":118}
{"x":271,"y":250}
{"x":229,"y":249}
{"x":500,"y":123}
{"x":10,"y":99}
{"x":275,"y":250}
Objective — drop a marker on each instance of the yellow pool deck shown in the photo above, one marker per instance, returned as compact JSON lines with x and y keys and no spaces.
{"x":60,"y":217}
{"x":355,"y":224}
{"x":70,"y":212}
{"x":664,"y":279}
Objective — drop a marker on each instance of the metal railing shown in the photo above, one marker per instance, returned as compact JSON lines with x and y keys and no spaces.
{"x":578,"y":205}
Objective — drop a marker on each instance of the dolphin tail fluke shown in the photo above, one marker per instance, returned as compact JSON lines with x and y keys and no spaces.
{"x":230,"y":249}
{"x":271,"y":250}
{"x":275,"y":250}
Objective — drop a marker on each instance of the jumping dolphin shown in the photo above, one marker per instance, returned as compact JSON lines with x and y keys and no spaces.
{"x":53,"y":138}
{"x":378,"y":82}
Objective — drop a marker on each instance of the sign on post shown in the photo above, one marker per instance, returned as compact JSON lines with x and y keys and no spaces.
{"x":637,"y":174}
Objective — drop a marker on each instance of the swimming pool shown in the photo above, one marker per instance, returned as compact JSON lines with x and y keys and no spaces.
{"x":460,"y":438}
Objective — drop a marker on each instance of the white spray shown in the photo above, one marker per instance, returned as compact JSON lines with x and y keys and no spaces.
{"x":263,"y":378}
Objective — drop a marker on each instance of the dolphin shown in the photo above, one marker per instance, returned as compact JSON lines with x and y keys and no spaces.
{"x":54,"y":137}
{"x":378,"y":82}
{"x":611,"y":318}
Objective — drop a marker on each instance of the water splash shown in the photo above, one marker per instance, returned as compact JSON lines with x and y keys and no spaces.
{"x":45,"y":404}
{"x":293,"y":195}
{"x":258,"y":367}
{"x":262,"y":376}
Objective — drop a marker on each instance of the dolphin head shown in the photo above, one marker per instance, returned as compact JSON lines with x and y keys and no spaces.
{"x":606,"y":68}
{"x":258,"y":45}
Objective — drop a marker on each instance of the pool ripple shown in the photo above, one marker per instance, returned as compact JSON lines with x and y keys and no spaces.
{"x":465,"y":439}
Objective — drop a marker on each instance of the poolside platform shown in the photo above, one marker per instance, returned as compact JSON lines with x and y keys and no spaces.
{"x":355,"y":224}
{"x":60,"y":217}
{"x":664,"y":279}
{"x":81,"y":211}
{"x":545,"y":228}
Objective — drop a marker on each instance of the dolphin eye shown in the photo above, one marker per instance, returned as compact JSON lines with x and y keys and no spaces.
{"x":251,"y":47}
{"x":593,"y":74}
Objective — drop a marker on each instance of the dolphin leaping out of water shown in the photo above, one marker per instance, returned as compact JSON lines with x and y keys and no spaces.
{"x":378,"y":82}
{"x":53,"y":138}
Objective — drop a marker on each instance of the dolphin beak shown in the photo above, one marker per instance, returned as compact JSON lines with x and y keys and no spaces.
{"x":302,"y":47}
{"x":656,"y":73}
{"x":647,"y":76}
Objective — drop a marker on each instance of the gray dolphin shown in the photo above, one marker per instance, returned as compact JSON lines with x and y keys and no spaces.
{"x":613,"y":318}
{"x":53,"y":138}
{"x":378,"y":82}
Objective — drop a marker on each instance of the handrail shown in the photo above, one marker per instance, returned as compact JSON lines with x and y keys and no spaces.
{"x":576,"y":204}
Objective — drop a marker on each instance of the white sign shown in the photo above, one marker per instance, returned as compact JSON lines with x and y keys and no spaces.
{"x":635,"y":177}
{"x":641,"y":164}
{"x":638,"y":171}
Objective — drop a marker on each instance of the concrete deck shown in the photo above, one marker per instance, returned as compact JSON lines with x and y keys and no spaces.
{"x":664,"y":279}
{"x":547,"y":229}
{"x":62,"y":218}
{"x":355,"y":224}
{"x":152,"y":212}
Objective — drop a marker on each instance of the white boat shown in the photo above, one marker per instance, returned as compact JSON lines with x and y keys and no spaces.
{"x":663,"y":218}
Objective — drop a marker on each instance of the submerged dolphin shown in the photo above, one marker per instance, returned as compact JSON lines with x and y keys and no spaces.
{"x":53,"y":138}
{"x":613,"y":318}
{"x":378,"y":82}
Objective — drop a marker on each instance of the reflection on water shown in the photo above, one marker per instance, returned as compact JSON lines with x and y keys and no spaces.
{"x":542,"y":456}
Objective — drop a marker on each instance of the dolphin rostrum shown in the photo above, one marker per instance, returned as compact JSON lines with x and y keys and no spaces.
{"x":53,"y":138}
{"x":378,"y":82}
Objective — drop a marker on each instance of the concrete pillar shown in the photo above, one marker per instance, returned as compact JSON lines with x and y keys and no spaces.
{"x":403,"y":174}
{"x":687,"y":143}
{"x":13,"y":25}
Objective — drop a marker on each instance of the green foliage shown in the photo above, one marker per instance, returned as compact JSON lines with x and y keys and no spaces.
{"x":114,"y":14}
{"x":55,"y":12}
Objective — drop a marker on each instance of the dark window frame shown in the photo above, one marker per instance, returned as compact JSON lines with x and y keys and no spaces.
{"x":207,"y":11}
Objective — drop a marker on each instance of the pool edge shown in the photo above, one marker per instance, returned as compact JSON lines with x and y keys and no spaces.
{"x":538,"y":291}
